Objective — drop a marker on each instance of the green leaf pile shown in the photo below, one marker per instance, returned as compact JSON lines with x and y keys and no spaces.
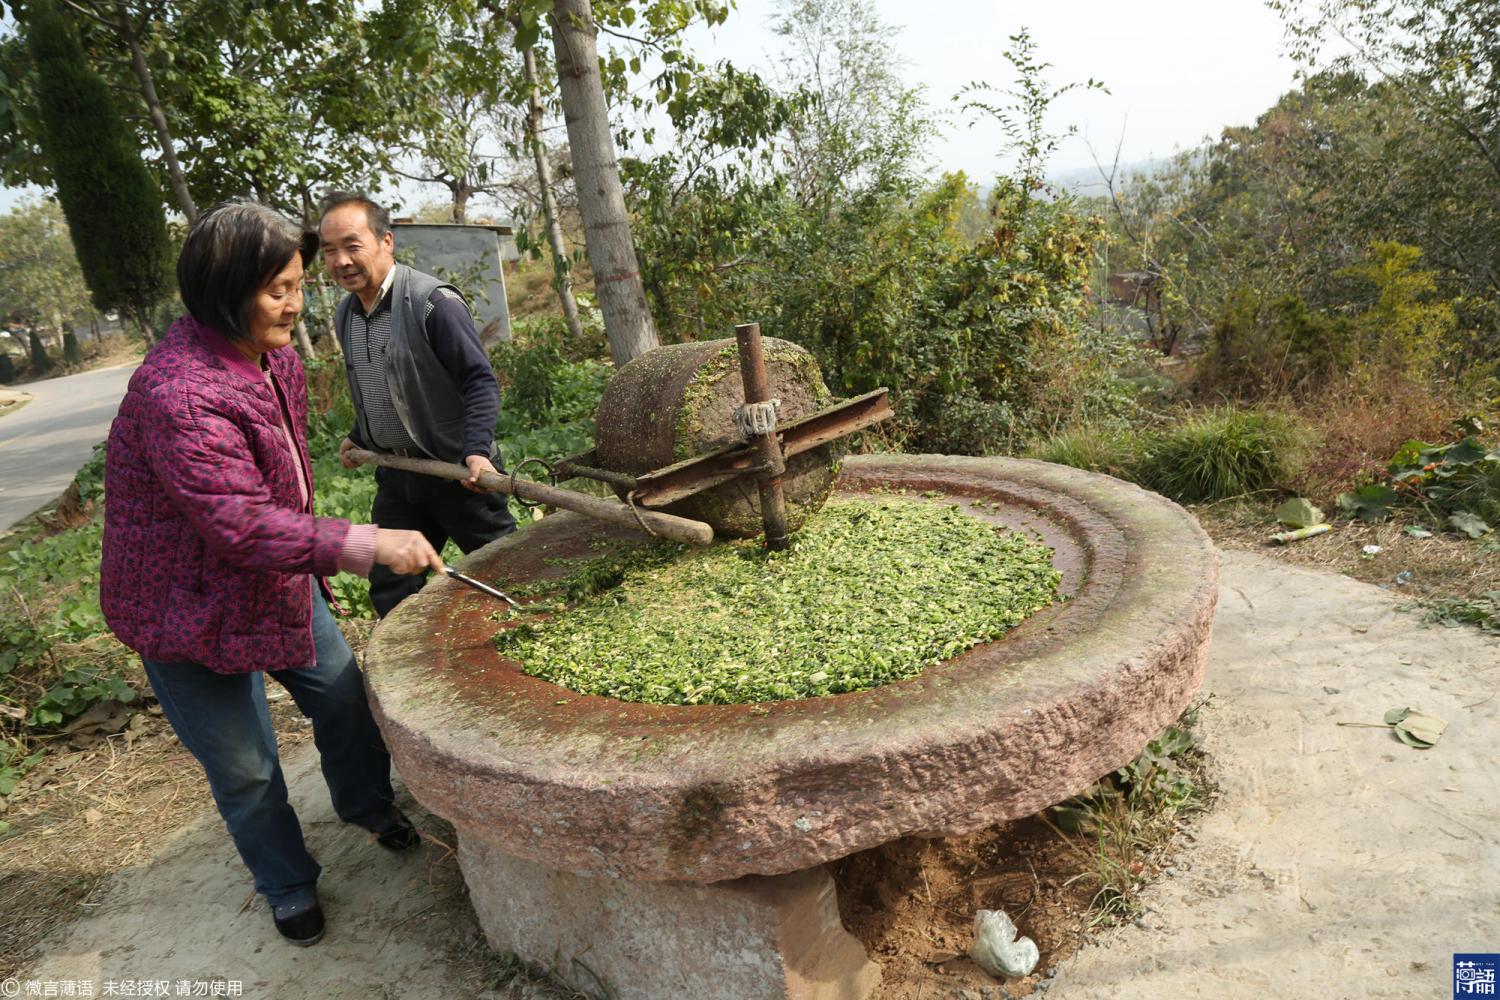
{"x":871,"y":591}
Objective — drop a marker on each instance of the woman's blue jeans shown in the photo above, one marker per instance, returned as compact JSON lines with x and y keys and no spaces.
{"x":223,"y":720}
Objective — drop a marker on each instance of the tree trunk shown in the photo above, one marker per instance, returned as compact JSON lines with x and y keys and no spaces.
{"x":304,"y":342}
{"x":461,"y":192}
{"x":330,"y":305}
{"x":562,"y":280}
{"x":158,"y":116}
{"x":143,"y":319}
{"x":40,"y":362}
{"x":601,"y":198}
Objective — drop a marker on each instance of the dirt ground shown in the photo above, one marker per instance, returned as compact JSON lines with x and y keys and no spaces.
{"x":114,"y":792}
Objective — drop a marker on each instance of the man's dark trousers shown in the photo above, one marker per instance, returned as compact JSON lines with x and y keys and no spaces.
{"x":440,"y":509}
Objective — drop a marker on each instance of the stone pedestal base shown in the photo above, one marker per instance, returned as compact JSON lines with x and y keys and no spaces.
{"x":753,"y":938}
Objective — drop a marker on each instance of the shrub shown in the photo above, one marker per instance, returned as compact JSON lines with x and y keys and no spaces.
{"x":1113,"y":452}
{"x":1258,"y":350}
{"x":1220,"y":454}
{"x":1208,"y":456}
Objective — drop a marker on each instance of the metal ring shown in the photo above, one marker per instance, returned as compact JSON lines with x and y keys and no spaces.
{"x":527,"y":504}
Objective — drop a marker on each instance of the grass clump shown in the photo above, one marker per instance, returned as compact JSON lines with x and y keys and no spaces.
{"x":1208,"y":456}
{"x":1121,"y":828}
{"x":872,"y":591}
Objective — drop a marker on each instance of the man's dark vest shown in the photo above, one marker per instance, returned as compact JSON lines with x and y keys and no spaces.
{"x":428,"y":401}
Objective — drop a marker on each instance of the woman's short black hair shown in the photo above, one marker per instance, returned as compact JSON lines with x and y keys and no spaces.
{"x":231,"y":252}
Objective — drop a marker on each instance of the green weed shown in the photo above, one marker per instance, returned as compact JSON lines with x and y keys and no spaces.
{"x":1208,"y":456}
{"x":1121,"y":827}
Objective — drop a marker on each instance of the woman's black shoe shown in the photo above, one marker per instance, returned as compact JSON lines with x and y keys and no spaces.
{"x":401,"y":837}
{"x":304,"y":928}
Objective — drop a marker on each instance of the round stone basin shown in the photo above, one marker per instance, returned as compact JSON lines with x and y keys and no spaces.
{"x":705,"y":793}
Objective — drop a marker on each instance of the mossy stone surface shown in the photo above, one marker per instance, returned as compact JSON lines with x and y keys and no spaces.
{"x":678,"y":401}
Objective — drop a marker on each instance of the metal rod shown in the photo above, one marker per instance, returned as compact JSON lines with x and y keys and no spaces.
{"x":567,"y":469}
{"x":483,"y":588}
{"x":652,"y":522}
{"x":767,"y":447}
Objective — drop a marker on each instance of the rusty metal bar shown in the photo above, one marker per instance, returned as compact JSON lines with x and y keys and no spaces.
{"x":766,"y":446}
{"x":660,"y":487}
{"x":582,"y":466}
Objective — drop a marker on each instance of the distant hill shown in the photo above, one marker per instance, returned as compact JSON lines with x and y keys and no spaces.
{"x":1087,"y":181}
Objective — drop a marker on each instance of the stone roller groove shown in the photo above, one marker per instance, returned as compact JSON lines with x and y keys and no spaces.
{"x":705,"y":793}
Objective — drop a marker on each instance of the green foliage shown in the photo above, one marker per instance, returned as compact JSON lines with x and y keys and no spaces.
{"x":806,"y":215}
{"x":40,"y":282}
{"x":1482,"y":612}
{"x":14,"y":763}
{"x":1261,"y":349}
{"x":51,"y":608}
{"x":1112,"y":450}
{"x":1023,"y":118}
{"x":1457,"y":484}
{"x":75,"y":691}
{"x":1405,"y":326}
{"x":547,"y":402}
{"x":871,"y":591}
{"x":1307,"y":203}
{"x":1217,"y":454}
{"x":1129,"y":817}
{"x":1205,"y":456}
{"x":1371,"y":502}
{"x":105,"y":190}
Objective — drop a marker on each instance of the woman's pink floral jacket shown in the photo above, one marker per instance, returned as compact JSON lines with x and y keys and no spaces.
{"x":207,"y":539}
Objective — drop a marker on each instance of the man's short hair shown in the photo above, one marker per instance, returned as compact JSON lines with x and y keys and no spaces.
{"x":378,"y":217}
{"x":232,"y":251}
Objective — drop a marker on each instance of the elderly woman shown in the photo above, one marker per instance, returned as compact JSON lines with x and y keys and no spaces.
{"x":213,"y":557}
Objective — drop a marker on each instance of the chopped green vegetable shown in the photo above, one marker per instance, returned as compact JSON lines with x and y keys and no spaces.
{"x":871,"y":591}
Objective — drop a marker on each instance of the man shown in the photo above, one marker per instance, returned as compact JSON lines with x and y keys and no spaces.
{"x":422,"y":386}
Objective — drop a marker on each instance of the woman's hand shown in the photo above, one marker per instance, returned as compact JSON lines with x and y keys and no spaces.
{"x":406,"y":552}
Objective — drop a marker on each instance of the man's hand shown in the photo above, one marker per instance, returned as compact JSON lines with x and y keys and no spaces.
{"x":345,"y":446}
{"x":406,"y":552}
{"x":478,"y":464}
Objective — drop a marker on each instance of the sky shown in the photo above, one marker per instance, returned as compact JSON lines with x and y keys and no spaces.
{"x":1178,"y":71}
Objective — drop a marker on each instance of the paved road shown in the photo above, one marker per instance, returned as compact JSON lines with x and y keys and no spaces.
{"x":43,"y":443}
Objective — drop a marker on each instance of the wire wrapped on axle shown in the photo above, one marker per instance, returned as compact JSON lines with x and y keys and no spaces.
{"x":751,"y":419}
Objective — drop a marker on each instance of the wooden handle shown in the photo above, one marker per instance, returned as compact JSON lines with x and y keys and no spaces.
{"x":678,"y":529}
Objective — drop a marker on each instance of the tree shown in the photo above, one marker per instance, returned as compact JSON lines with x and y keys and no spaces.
{"x":562,"y":280}
{"x":1445,"y":54}
{"x":40,"y":282}
{"x":105,"y":190}
{"x":601,"y":197}
{"x":860,"y":125}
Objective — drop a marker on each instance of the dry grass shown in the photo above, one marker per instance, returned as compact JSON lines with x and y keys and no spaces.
{"x":528,"y":289}
{"x":1360,"y":426}
{"x":1445,"y":565}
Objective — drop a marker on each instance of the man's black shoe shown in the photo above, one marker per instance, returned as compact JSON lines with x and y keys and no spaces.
{"x":400,"y":837}
{"x":303,"y":928}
